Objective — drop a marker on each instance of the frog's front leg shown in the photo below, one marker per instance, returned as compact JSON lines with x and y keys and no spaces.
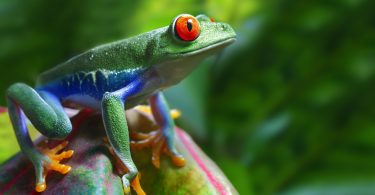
{"x":161,"y":140}
{"x":47,"y":115}
{"x":115,"y":123}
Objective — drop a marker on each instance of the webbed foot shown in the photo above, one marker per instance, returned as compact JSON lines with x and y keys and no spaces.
{"x":50,"y":160}
{"x":158,"y":143}
{"x":147,"y":109}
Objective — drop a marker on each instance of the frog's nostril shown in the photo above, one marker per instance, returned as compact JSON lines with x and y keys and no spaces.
{"x":223,"y":27}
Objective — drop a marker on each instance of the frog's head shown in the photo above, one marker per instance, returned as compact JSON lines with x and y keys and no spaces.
{"x":175,"y":50}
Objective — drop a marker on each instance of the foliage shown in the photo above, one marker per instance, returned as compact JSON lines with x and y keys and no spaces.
{"x":288,"y":109}
{"x":301,"y":111}
{"x":8,"y":144}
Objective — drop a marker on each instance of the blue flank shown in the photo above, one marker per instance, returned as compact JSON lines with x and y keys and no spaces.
{"x":93,"y":84}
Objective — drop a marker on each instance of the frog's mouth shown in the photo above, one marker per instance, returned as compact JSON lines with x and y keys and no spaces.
{"x":211,"y":49}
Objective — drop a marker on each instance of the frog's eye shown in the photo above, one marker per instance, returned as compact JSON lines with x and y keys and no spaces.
{"x":186,"y":28}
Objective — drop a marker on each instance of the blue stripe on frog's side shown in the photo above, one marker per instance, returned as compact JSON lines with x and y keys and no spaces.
{"x":93,"y":84}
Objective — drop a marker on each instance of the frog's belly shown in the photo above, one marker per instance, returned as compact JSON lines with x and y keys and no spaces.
{"x":78,"y":101}
{"x":87,"y":89}
{"x":92,"y":84}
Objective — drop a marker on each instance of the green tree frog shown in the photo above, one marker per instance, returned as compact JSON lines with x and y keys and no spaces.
{"x":109,"y":79}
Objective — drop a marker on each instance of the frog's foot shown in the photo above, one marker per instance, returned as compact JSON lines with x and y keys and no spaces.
{"x":135,"y":184}
{"x":122,"y":169}
{"x":146,"y":109}
{"x":51,"y":161}
{"x":158,"y":143}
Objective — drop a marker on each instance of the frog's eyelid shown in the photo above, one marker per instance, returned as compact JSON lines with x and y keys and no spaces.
{"x":204,"y":18}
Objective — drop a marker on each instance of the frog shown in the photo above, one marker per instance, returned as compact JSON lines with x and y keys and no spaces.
{"x":110,"y":79}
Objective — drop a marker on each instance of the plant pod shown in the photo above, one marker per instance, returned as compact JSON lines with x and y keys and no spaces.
{"x":94,"y":168}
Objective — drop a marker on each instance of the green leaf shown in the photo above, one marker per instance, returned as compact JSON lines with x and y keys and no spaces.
{"x":8,"y":143}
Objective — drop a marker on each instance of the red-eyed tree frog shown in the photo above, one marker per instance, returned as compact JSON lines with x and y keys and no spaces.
{"x":109,"y":79}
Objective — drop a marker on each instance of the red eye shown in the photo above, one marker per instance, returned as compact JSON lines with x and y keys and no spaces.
{"x":187,"y":28}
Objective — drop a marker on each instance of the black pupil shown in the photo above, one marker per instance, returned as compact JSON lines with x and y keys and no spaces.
{"x":189,"y":24}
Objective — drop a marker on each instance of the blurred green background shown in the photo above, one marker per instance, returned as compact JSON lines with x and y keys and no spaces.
{"x":288,"y":109}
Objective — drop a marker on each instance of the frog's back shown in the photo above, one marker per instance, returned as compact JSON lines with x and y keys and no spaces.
{"x":112,"y":57}
{"x":104,"y":68}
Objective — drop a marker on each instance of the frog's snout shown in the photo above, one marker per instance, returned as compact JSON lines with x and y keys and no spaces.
{"x":226,"y":29}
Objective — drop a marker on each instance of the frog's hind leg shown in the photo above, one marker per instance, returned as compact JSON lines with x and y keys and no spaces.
{"x":46,"y":113}
{"x":160,"y":140}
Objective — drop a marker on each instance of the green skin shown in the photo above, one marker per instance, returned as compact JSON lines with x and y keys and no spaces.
{"x":109,"y":78}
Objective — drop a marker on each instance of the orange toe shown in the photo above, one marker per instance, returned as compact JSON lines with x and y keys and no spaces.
{"x":136,"y":185}
{"x":158,"y":145}
{"x":54,"y":162}
{"x":178,"y":161}
{"x":40,"y":187}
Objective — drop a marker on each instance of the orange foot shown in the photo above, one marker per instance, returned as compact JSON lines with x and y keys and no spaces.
{"x":147,"y":109}
{"x":157,"y":142}
{"x":122,"y":169}
{"x":54,"y":162}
